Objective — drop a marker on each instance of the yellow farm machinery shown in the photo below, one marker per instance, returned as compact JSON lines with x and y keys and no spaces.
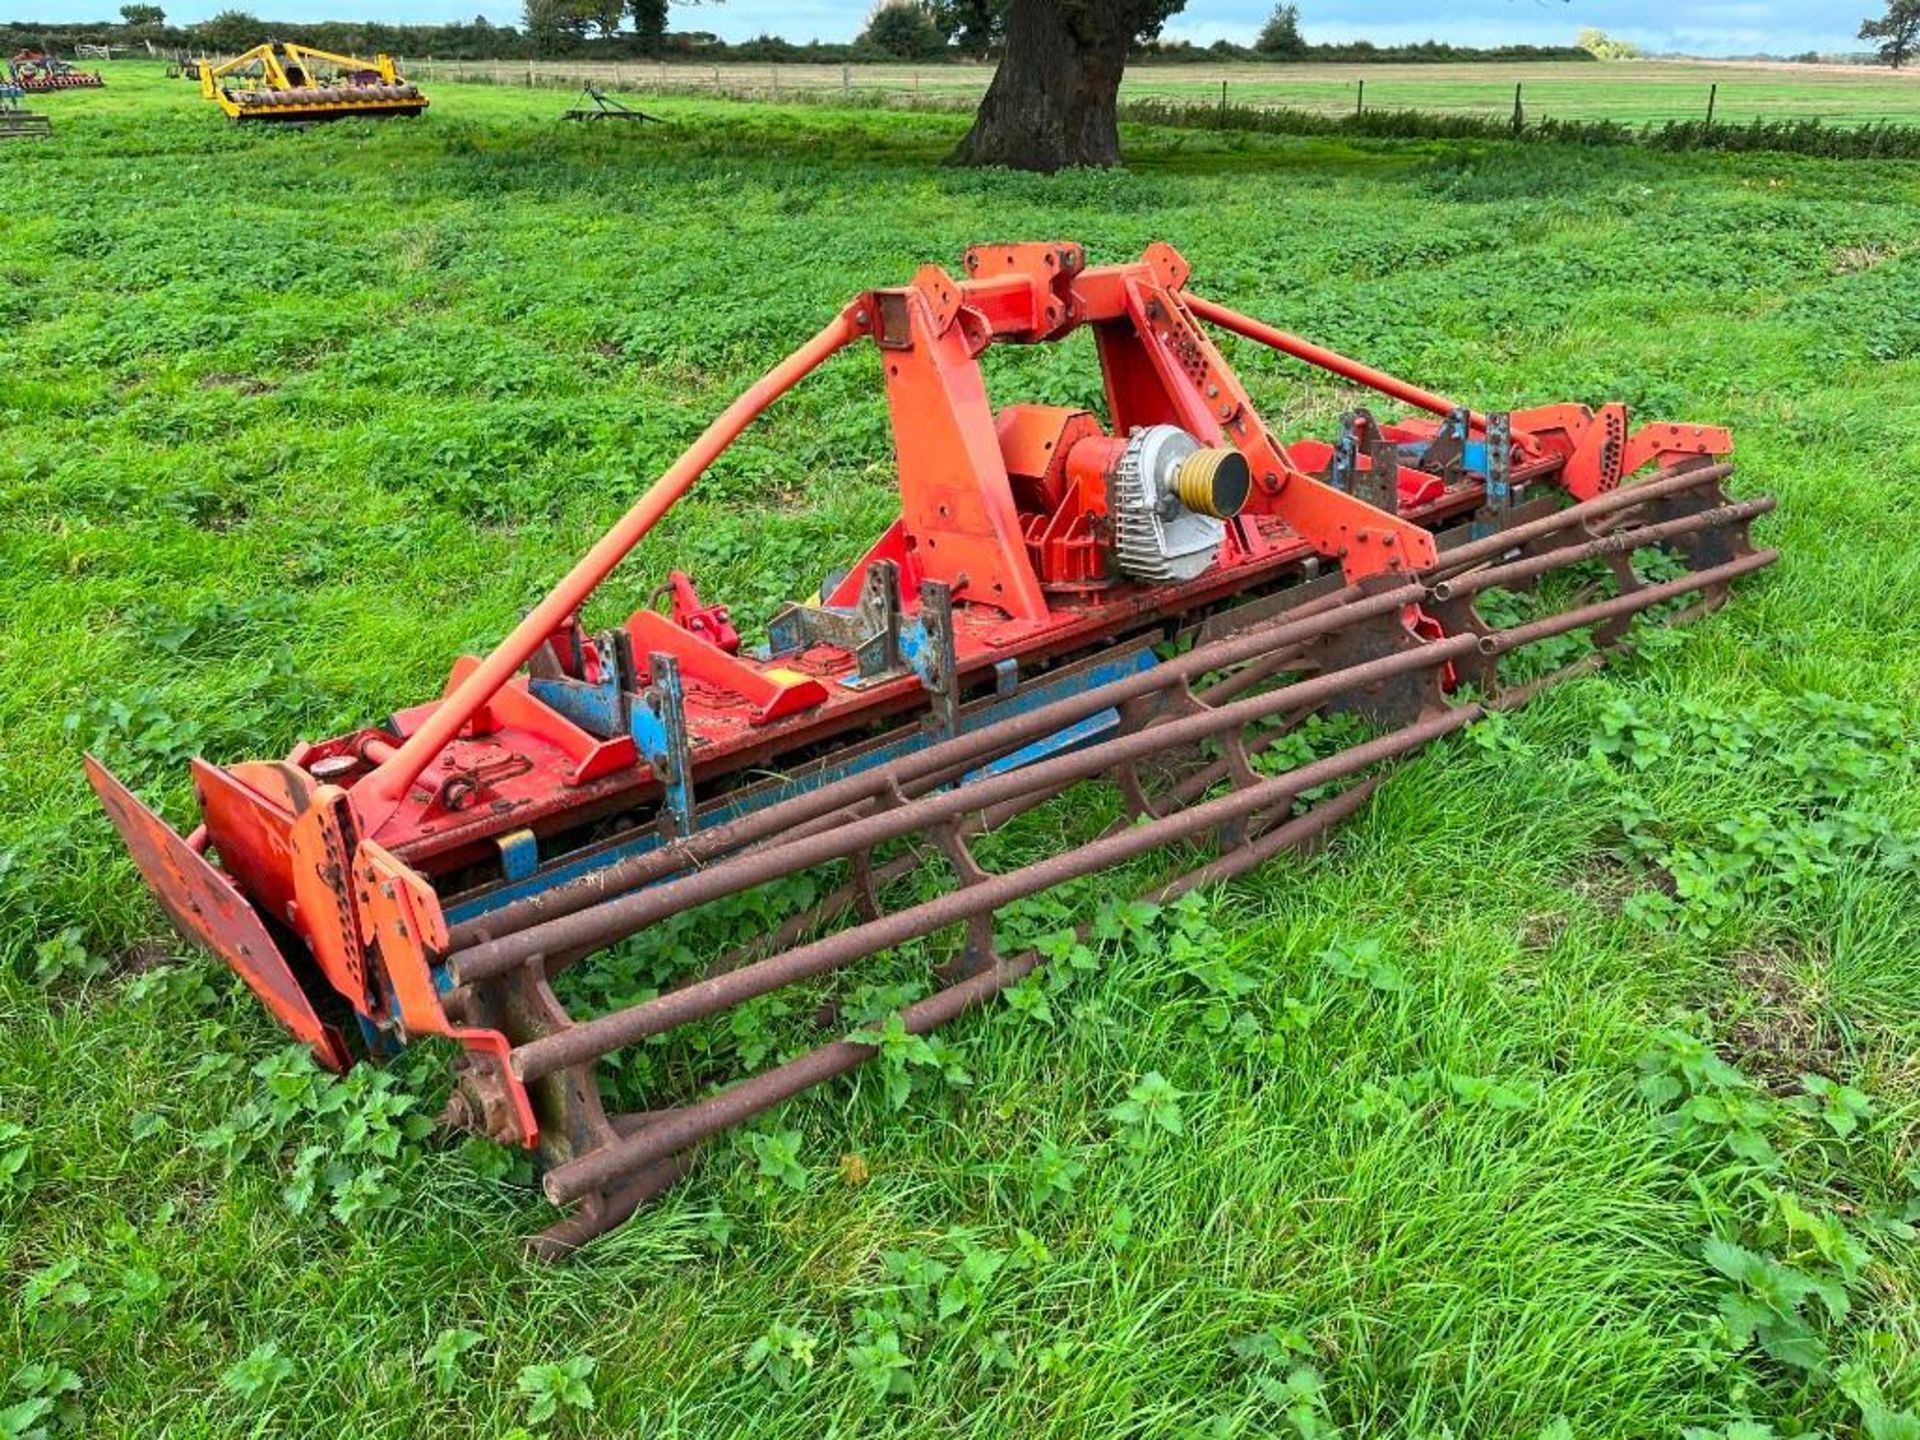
{"x":281,"y":81}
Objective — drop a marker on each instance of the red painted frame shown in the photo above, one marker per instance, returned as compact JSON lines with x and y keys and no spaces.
{"x":984,"y":509}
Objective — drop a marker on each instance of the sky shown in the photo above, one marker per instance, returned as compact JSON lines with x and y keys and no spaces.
{"x":1700,"y":27}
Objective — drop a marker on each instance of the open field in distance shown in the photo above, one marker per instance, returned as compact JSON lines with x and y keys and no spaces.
{"x":1630,"y":91}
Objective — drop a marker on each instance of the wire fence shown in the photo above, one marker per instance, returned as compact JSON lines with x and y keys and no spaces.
{"x":1654,"y":93}
{"x":873,"y":84}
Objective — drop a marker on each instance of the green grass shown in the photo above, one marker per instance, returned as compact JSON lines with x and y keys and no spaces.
{"x":1631,"y":92}
{"x":289,"y":419}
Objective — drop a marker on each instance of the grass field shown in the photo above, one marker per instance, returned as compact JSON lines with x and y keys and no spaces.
{"x":1633,"y":92}
{"x":1572,"y":1092}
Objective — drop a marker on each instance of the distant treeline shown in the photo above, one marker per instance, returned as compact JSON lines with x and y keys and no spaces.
{"x":224,"y":35}
{"x":231,"y":32}
{"x":1361,"y":52}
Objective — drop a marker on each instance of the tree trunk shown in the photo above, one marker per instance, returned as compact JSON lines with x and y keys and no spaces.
{"x":1053,"y":101}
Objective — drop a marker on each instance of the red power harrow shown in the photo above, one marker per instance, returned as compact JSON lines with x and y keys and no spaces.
{"x":38,"y":73}
{"x":1151,"y":600}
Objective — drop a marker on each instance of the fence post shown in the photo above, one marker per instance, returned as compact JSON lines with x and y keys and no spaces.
{"x":1223,"y":104}
{"x":776,"y":84}
{"x":1360,"y":102}
{"x":846,"y":82}
{"x":1713,"y":94}
{"x":529,"y":74}
{"x":1519,"y":112}
{"x":616,"y":74}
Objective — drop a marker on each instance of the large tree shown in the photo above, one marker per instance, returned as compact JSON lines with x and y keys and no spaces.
{"x":1898,"y":31}
{"x":1054,"y":100}
{"x":1280,"y":37}
{"x":554,"y":26}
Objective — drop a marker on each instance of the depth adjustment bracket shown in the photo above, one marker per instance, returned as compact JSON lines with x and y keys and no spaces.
{"x":651,"y":708}
{"x":1379,"y":483}
{"x":1496,"y":507}
{"x":870,"y":629}
{"x":1446,"y":453}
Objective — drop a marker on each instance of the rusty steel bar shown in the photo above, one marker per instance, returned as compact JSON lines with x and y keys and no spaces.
{"x":683,"y":1128}
{"x":1616,"y":542}
{"x":1190,"y":787}
{"x":841,"y":899}
{"x":1251,"y":675}
{"x":623,"y":917}
{"x":680,"y":1129}
{"x":1630,"y":603}
{"x":1528,"y":569}
{"x":624,"y":914}
{"x":973,"y":745}
{"x":844,"y":898}
{"x":561,"y":1239}
{"x":1657,"y":486}
{"x":794,"y":928}
{"x":1255,"y":852}
{"x":388,"y":783}
{"x":593,"y":1038}
{"x":614,"y":919}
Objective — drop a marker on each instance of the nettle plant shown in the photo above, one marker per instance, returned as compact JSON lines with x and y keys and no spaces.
{"x":42,"y":1402}
{"x":1792,"y":1272}
{"x":339,"y":1137}
{"x":1815,"y":771}
{"x":941,"y":1293}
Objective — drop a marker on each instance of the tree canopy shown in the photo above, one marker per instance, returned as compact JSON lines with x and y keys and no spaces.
{"x":1603,"y":46}
{"x":1280,"y":37}
{"x":904,"y":30}
{"x":1898,"y":31}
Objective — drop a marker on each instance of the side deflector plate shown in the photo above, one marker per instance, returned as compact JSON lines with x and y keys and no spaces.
{"x":205,"y":907}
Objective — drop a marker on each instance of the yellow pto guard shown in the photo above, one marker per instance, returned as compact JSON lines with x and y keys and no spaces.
{"x":287,"y":82}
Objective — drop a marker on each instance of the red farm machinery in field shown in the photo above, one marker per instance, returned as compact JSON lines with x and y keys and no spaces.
{"x":1150,"y":600}
{"x":37,"y":72}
